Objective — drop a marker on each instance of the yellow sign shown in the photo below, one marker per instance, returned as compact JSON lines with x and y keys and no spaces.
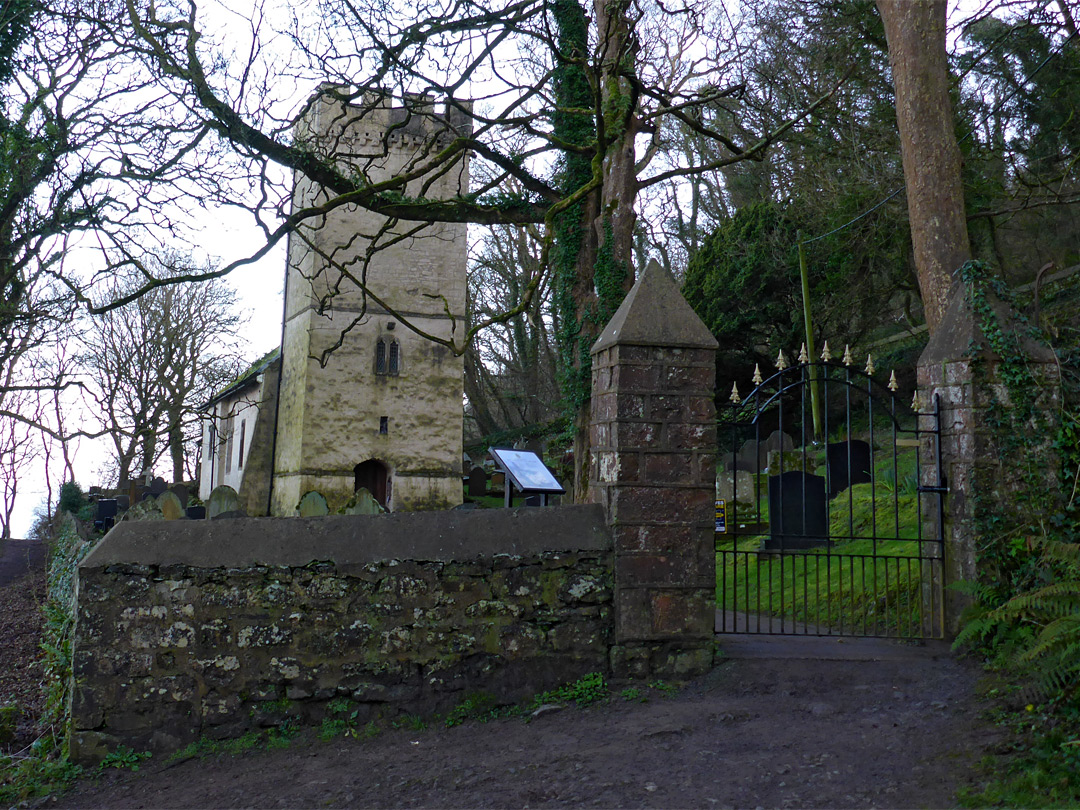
{"x":721,"y":517}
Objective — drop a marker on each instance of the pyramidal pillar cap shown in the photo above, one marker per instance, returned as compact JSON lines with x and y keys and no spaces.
{"x":654,"y":313}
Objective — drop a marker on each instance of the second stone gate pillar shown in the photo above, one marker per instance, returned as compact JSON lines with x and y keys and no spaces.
{"x":653,"y":467}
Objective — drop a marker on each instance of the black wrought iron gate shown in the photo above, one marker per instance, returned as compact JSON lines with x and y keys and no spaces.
{"x":822,"y":500}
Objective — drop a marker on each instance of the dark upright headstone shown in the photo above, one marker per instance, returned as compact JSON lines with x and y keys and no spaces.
{"x":534,"y":500}
{"x":196,"y":512}
{"x":106,"y":514}
{"x":181,"y":493}
{"x":849,"y":464}
{"x":477,"y":482}
{"x":158,"y":486}
{"x":797,"y":516}
{"x":123,"y":503}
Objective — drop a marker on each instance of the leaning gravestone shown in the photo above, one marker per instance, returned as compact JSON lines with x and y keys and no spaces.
{"x":146,"y":509}
{"x":735,"y":485}
{"x":797,"y":514}
{"x":734,"y":461}
{"x":171,"y":509}
{"x":849,"y":464}
{"x":751,"y":456}
{"x":223,"y":502}
{"x":361,"y":503}
{"x":477,"y":482}
{"x":313,"y":504}
{"x":778,"y":440}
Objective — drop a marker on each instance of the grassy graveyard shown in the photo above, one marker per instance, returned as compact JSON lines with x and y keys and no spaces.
{"x":858,"y":582}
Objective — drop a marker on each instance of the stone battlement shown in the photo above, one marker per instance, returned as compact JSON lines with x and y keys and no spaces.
{"x":383,"y":118}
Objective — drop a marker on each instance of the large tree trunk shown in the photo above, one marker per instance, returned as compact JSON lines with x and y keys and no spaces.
{"x":915,"y":30}
{"x":604,"y":261}
{"x":176,"y":444}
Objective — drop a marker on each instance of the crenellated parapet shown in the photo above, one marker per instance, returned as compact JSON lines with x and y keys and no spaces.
{"x":374,"y":121}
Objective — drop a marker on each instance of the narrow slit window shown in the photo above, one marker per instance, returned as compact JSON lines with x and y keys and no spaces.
{"x":380,"y":357}
{"x":384,"y":425}
{"x":240,"y":456}
{"x":229,"y":432}
{"x":394,"y":357}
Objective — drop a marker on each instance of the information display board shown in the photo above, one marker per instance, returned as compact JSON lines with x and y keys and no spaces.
{"x":527,"y":471}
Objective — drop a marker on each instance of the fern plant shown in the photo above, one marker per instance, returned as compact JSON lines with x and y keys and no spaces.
{"x":1048,"y":619}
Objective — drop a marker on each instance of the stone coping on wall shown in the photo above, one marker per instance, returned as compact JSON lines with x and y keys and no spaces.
{"x":353,"y":541}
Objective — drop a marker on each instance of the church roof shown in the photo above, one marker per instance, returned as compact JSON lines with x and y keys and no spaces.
{"x":247,"y":377}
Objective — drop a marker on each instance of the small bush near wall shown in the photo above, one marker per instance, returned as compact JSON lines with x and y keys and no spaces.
{"x":170,"y":647}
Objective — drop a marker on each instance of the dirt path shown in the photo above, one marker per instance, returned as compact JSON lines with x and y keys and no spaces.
{"x":22,"y":592}
{"x":803,"y":723}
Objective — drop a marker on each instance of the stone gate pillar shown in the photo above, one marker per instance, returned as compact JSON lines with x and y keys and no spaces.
{"x":985,"y":479}
{"x":653,"y":467}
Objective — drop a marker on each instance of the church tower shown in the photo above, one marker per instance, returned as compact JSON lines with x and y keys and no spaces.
{"x":366,"y":401}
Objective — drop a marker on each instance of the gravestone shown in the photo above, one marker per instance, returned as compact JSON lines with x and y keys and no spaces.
{"x":498,"y":483}
{"x":146,"y":509}
{"x":181,"y":493}
{"x":223,"y":502}
{"x":196,"y":512}
{"x":534,"y":500}
{"x":477,"y":482}
{"x":778,"y":440}
{"x":797,"y":514}
{"x":361,"y":503}
{"x":123,"y":503}
{"x":734,"y":462}
{"x":737,"y":485}
{"x":313,"y":504}
{"x":849,"y":464}
{"x":752,"y":456}
{"x":171,"y":508}
{"x":791,"y":460}
{"x":158,"y":486}
{"x":106,"y":514}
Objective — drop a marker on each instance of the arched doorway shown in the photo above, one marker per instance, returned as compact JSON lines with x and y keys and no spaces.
{"x":373,"y":476}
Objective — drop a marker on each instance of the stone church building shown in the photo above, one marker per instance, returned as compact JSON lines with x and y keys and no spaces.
{"x":355,"y":397}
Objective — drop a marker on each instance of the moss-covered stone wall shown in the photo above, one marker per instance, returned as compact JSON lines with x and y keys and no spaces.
{"x":181,"y":636}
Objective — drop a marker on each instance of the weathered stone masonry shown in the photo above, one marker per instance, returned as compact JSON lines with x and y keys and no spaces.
{"x":967,"y":384}
{"x":212,"y":628}
{"x":653,"y":467}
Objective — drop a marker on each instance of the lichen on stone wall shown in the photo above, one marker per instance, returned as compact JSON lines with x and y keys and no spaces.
{"x":166,"y":654}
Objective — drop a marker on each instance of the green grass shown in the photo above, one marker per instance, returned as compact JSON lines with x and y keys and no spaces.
{"x":867,"y":584}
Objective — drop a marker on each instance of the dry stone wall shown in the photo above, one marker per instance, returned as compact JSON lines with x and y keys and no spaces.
{"x":181,"y":634}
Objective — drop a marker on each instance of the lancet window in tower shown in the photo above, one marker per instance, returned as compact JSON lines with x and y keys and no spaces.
{"x":380,"y":357}
{"x":387,"y":357}
{"x":395,"y":361}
